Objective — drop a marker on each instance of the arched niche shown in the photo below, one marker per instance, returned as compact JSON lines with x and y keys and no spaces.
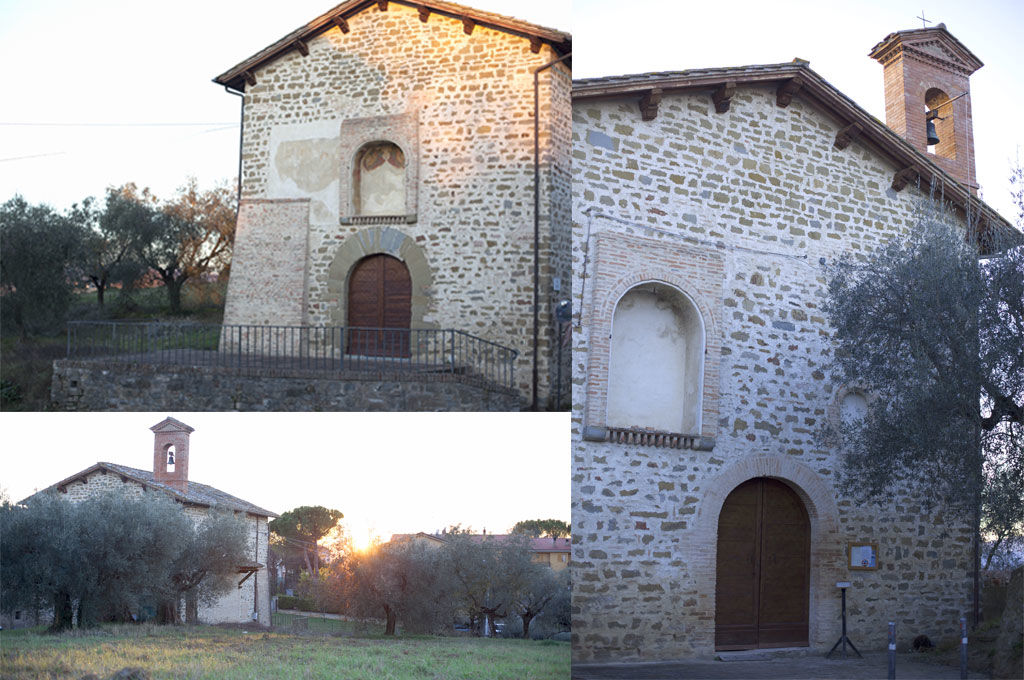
{"x":379,"y":179}
{"x":656,"y":363}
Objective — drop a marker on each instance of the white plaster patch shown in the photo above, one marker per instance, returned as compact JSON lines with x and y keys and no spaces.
{"x":305,"y":164}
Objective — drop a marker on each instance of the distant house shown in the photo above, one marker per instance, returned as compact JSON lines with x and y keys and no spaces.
{"x":250,"y":601}
{"x":554,"y":552}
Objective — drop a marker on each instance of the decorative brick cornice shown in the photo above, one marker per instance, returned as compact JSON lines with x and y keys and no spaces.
{"x":957,"y":56}
{"x":645,"y":437}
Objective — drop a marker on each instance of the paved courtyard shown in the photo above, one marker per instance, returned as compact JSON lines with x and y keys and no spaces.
{"x":873,"y":666}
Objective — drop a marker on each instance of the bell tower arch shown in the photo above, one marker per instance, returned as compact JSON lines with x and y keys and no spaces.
{"x":170,"y":453}
{"x":927,"y":90}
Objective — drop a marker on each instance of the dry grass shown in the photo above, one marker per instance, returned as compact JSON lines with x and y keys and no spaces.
{"x":212,"y":652}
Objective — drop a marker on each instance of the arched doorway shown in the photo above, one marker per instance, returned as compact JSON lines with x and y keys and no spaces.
{"x":379,"y":307}
{"x":763,"y":568}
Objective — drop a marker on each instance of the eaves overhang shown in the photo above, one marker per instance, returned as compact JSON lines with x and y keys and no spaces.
{"x":242,"y":73}
{"x":801,"y":81}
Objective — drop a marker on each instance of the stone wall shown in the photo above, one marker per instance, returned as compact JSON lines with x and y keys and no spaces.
{"x":461,"y":108}
{"x":235,"y":606}
{"x":96,"y":386}
{"x":747,"y":203}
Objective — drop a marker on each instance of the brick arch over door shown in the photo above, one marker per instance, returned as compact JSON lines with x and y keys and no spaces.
{"x":374,"y":241}
{"x":827,"y":550}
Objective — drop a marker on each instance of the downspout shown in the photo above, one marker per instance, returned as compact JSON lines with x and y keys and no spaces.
{"x":536,"y":217}
{"x":241,"y":135}
{"x":256,"y":575}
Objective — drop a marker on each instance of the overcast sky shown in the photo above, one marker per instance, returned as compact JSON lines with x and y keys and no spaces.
{"x":388,"y":472}
{"x":94,"y":85}
{"x":611,"y":37}
{"x":95,"y":79}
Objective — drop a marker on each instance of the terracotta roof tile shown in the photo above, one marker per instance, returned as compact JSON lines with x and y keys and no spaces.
{"x":197,"y":494}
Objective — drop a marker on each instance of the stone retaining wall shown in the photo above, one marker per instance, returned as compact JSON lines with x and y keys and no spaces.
{"x":96,"y":386}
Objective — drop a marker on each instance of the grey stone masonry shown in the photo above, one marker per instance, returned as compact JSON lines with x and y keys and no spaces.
{"x":457,"y":100}
{"x":735,"y":210}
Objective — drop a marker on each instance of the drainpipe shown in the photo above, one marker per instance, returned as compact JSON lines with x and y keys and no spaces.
{"x":536,"y":217}
{"x":241,"y":134}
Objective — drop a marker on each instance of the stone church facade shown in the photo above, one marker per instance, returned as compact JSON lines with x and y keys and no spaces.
{"x":387,"y":180}
{"x":706,"y":202}
{"x":250,"y":601}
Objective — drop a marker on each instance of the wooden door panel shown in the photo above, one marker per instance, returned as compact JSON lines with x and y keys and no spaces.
{"x":761,"y":587}
{"x":736,"y":588}
{"x":379,"y":307}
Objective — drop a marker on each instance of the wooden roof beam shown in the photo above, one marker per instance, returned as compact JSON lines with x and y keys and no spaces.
{"x":250,"y":79}
{"x":845,"y":136}
{"x":382,"y":5}
{"x":784,"y":95}
{"x":649,"y":104}
{"x":341,"y":23}
{"x":468,"y":25}
{"x":302,"y":47}
{"x":722,"y":96}
{"x":535,"y":44}
{"x":424,"y":13}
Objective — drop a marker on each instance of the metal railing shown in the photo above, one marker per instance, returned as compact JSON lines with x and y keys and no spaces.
{"x":290,"y":350}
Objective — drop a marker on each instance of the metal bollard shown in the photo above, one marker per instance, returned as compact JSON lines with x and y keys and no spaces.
{"x":892,"y":650}
{"x":963,"y":648}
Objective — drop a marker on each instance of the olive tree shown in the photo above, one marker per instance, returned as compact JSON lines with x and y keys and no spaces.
{"x":98,"y":559}
{"x":402,"y":581}
{"x":40,"y":265}
{"x":930,"y":327}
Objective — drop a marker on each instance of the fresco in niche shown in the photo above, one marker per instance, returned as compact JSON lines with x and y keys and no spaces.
{"x":380,"y":180}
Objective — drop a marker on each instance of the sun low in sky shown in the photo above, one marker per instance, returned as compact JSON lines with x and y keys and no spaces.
{"x":388,"y":473}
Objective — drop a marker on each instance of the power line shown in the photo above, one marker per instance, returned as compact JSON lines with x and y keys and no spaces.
{"x":235,"y":124}
{"x":38,"y":155}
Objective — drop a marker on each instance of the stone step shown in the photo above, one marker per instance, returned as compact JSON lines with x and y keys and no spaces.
{"x":763,"y":654}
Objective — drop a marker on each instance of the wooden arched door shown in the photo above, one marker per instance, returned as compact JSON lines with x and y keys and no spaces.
{"x":763,"y":568}
{"x":379,"y":307}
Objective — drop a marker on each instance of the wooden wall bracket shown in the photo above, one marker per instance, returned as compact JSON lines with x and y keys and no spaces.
{"x":468,"y":25}
{"x":250,"y":79}
{"x":722,"y":97}
{"x":424,"y":13}
{"x":342,"y":24}
{"x":784,"y":95}
{"x":535,"y":44}
{"x":302,"y":47}
{"x":902,"y":177}
{"x":845,"y":136}
{"x":649,"y":104}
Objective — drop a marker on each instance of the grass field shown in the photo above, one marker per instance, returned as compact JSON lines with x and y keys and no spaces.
{"x":195,"y":652}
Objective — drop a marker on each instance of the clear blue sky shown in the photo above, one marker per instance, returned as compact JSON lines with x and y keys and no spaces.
{"x":611,"y":37}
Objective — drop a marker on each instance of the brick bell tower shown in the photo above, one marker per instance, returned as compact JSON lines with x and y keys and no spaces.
{"x":170,"y":453}
{"x":927,"y":73}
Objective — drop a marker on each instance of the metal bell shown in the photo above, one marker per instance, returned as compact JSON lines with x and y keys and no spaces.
{"x":933,"y":137}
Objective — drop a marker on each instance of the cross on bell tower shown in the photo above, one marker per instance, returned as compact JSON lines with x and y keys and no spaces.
{"x":170,"y":453}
